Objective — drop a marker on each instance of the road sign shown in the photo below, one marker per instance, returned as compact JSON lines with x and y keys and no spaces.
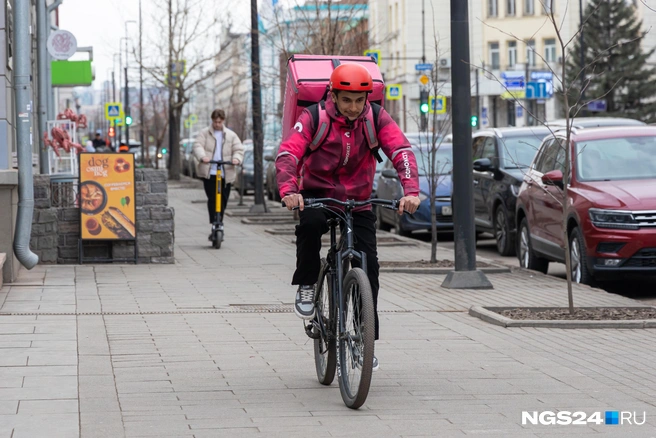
{"x":537,"y":90}
{"x":520,"y":111}
{"x":423,"y":67}
{"x":598,"y":106}
{"x":187,"y":123}
{"x":113,"y":110}
{"x":424,"y":80}
{"x":513,"y":80}
{"x":120,"y":120}
{"x":193,"y":119}
{"x":394,"y":92}
{"x":484,"y":117}
{"x":374,"y":54}
{"x":437,"y":104}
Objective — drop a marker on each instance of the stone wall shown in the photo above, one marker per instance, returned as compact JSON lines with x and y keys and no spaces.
{"x":56,"y":230}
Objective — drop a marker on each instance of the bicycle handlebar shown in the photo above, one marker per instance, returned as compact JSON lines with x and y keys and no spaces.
{"x":221,"y":163}
{"x":392,"y":204}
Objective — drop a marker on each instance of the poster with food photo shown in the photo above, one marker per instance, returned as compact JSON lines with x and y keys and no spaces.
{"x":106,"y":196}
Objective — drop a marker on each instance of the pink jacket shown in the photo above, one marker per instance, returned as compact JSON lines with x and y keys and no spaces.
{"x":343,"y":167}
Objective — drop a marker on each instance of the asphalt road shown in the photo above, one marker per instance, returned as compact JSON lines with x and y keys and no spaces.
{"x":640,"y":288}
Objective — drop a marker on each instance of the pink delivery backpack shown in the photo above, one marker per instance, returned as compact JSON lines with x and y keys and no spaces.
{"x":308,"y":79}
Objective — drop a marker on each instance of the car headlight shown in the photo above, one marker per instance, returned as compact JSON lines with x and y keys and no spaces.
{"x":514,"y":189}
{"x":612,"y":219}
{"x":422,"y":196}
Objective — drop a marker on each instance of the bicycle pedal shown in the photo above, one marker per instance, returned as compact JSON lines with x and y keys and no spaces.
{"x":309,"y":331}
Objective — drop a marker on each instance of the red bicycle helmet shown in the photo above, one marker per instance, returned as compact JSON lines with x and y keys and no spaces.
{"x":351,"y":77}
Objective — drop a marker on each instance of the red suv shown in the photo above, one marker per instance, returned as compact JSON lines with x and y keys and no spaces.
{"x":611,"y":216}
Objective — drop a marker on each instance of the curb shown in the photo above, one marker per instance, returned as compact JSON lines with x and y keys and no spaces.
{"x":441,"y":271}
{"x":493,"y":317}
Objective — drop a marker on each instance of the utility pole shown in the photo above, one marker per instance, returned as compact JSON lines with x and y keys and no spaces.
{"x":465,"y":276}
{"x":113,"y":100}
{"x":423,"y":33}
{"x":170,"y":79}
{"x":144,"y":149}
{"x":582,"y":54}
{"x":127,"y":92}
{"x":260,"y":204}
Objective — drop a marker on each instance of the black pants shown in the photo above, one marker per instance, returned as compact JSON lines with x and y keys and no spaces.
{"x":210,"y":190}
{"x":308,"y":247}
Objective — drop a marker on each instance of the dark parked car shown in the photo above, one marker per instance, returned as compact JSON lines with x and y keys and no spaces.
{"x":270,"y":175}
{"x":611,"y":218}
{"x":501,"y":157}
{"x":389,"y":187}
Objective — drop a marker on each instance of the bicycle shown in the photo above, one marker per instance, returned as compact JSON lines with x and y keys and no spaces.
{"x":344,"y":328}
{"x":217,"y":225}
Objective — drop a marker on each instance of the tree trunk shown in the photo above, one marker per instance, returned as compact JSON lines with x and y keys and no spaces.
{"x":174,"y":149}
{"x":433,"y":215}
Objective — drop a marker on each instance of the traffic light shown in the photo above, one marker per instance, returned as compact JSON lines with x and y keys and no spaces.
{"x":423,"y":110}
{"x":112,"y":132}
{"x":164,"y":151}
{"x":128,"y":120}
{"x":474,"y":121}
{"x":423,"y":102}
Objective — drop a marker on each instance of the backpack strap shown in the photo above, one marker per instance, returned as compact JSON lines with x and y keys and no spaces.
{"x":322,"y":123}
{"x":371,"y":128}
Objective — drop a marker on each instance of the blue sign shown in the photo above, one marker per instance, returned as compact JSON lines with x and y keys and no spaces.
{"x":373,"y":54}
{"x":394,"y":91}
{"x":519,"y":111}
{"x":598,"y":106}
{"x":537,"y":90}
{"x":513,"y":80}
{"x":541,"y":75}
{"x":424,"y":67}
{"x":113,"y":111}
{"x":484,"y":113}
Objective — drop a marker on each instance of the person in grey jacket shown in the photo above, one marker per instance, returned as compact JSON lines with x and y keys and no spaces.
{"x":217,"y":143}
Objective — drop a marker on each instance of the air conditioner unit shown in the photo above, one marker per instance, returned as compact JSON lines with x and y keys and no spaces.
{"x":445,"y":62}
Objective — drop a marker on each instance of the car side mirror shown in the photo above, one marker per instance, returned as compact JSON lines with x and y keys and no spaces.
{"x":553,"y":178}
{"x":389,"y":173}
{"x":483,"y":165}
{"x":268,"y":157}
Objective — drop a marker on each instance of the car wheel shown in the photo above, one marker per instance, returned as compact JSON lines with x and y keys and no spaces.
{"x":579,"y":258}
{"x":525,"y":253}
{"x":380,"y":224}
{"x":505,"y":241}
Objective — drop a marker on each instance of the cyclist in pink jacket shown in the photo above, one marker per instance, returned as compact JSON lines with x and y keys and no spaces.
{"x":337,"y":159}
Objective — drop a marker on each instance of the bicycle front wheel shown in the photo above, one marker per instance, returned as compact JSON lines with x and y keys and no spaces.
{"x":356,"y":344}
{"x":325,"y":355}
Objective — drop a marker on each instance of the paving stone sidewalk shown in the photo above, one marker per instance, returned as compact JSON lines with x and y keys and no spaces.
{"x":208,"y":347}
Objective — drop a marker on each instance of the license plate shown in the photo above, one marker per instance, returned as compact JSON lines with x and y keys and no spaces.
{"x":447,"y":211}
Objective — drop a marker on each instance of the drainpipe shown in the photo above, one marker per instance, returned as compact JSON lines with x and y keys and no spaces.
{"x":23,"y":91}
{"x":42,"y":38}
{"x":50,"y":91}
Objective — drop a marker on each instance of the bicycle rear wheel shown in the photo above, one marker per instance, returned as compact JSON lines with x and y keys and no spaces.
{"x":325,"y":354}
{"x":356,"y":344}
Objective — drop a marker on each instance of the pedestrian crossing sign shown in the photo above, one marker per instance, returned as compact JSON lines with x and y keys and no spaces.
{"x":113,"y":110}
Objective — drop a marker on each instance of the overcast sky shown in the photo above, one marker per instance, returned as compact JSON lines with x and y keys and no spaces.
{"x":100,"y":24}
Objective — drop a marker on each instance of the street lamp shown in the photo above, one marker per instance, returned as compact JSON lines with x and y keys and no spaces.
{"x":127,"y":93}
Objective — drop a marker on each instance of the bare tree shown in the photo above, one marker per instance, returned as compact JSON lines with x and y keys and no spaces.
{"x":572,"y":96}
{"x":155,"y":117}
{"x":194,"y":29}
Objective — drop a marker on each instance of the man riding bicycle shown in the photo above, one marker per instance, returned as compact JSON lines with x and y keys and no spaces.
{"x":342,"y":167}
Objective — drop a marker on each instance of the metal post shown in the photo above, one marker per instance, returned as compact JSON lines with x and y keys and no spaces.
{"x":141,"y":103}
{"x":170,"y":79}
{"x":127,"y":112}
{"x":42,"y":37}
{"x":582,"y":53}
{"x":260,"y":205}
{"x":478,"y":104}
{"x":423,"y":33}
{"x":50,"y":91}
{"x":23,"y":117}
{"x":113,"y":140}
{"x":465,"y":275}
{"x":527,"y":103}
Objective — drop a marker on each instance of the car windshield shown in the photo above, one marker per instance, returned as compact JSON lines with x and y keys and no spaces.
{"x":616,"y":159}
{"x":518,"y":151}
{"x":443,"y":160}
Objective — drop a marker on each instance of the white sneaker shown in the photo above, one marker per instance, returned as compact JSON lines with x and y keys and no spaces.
{"x":304,"y":304}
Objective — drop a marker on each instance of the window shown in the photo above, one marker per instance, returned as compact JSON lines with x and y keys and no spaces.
{"x":492,"y":8}
{"x":510,"y":7}
{"x":529,"y":7}
{"x":495,"y":60}
{"x":550,"y":50}
{"x":547,"y":160}
{"x":477,"y":147}
{"x":489,"y":148}
{"x":530,"y":53}
{"x":512,"y":53}
{"x":548,"y":6}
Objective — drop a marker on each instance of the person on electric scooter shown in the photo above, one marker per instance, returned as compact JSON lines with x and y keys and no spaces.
{"x":342,"y":167}
{"x":217,"y":143}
